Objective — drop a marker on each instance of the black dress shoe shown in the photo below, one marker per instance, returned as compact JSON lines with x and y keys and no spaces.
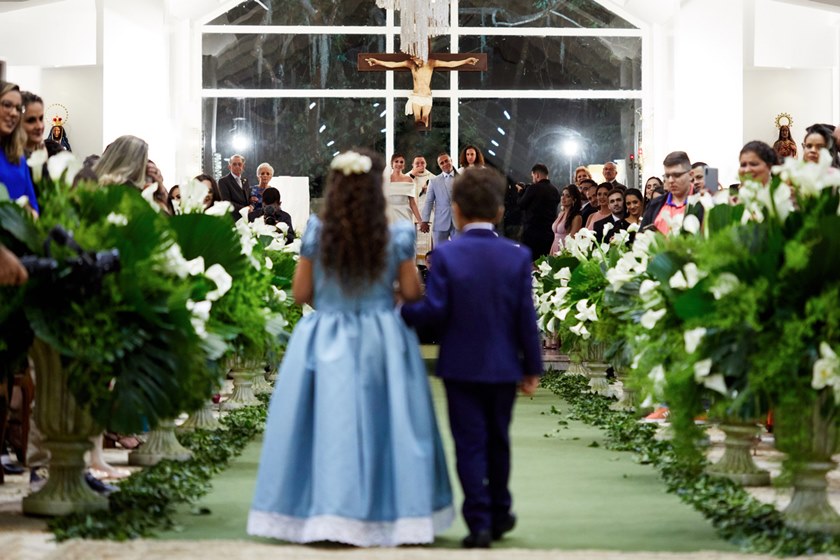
{"x":503,"y":526}
{"x":12,"y":469}
{"x":98,"y":486}
{"x":481,"y":539}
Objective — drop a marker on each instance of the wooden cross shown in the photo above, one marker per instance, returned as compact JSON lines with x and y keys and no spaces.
{"x":420,"y":101}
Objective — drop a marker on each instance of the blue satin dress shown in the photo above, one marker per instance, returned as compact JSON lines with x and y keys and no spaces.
{"x":351,"y":449}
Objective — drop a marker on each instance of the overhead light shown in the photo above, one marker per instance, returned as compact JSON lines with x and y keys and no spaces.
{"x":322,"y":129}
{"x":382,"y":114}
{"x":501,"y":131}
{"x":507,"y":115}
{"x":336,"y":153}
{"x":311,"y":105}
{"x":494,"y":143}
{"x":240,"y":142}
{"x":491,"y":152}
{"x":264,"y":7}
{"x":330,"y":143}
{"x":570,"y":148}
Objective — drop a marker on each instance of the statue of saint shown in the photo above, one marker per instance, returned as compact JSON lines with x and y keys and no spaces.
{"x":785,"y":146}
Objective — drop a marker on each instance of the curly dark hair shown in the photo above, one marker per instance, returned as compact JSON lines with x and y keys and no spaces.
{"x":354,"y":205}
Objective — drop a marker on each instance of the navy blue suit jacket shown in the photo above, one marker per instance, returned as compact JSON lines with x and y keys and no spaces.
{"x":479,"y":295}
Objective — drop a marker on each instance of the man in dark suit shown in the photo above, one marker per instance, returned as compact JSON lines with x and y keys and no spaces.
{"x":610,"y":173}
{"x":615,"y":219}
{"x":664,"y":210}
{"x":234,"y":186}
{"x":272,"y":214}
{"x":590,"y":207}
{"x":538,"y":202}
{"x":479,"y":296}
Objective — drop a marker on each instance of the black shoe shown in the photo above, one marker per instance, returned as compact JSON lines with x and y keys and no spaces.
{"x":12,"y":469}
{"x":481,"y":539}
{"x":98,"y":486}
{"x":505,"y":525}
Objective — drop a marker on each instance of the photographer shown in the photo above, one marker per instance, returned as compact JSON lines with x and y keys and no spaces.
{"x":271,"y":212}
{"x":12,"y":272}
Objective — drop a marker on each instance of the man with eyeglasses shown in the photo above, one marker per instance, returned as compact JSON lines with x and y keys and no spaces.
{"x":664,"y":211}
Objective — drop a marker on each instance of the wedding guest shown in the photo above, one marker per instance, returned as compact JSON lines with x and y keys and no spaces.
{"x":213,"y":194}
{"x":698,"y":177}
{"x":610,"y":173}
{"x":439,"y":199}
{"x":538,"y":202}
{"x":351,"y":451}
{"x":588,"y":199}
{"x":817,"y":137}
{"x":581,"y":173}
{"x":650,"y":185}
{"x":470,"y":156}
{"x":479,"y":294}
{"x":14,"y":173}
{"x":234,"y":186}
{"x":33,"y":122}
{"x":756,"y":161}
{"x":568,"y":222}
{"x":616,"y":221}
{"x":124,"y":162}
{"x":602,"y":194}
{"x":664,"y":211}
{"x":264,"y":175}
{"x":634,"y":203}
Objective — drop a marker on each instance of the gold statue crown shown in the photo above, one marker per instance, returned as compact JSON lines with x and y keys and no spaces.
{"x":784,"y":119}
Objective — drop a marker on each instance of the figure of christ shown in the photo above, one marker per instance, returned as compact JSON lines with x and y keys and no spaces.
{"x":420,"y":101}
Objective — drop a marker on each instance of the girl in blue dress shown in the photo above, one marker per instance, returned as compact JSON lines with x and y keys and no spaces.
{"x":351,"y":450}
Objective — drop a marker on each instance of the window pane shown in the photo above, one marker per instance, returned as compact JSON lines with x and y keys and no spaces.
{"x":429,"y":144}
{"x":288,"y":61}
{"x":296,"y":136}
{"x":514,"y":134}
{"x":300,"y":12}
{"x":586,"y":14}
{"x":555,"y":62}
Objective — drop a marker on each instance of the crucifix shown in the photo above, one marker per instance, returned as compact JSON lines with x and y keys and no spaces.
{"x":420,"y":101}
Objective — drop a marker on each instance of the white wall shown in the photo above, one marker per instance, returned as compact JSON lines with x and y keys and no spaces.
{"x":789,"y":36}
{"x":79,"y":89}
{"x":806,"y":95}
{"x":56,"y":34}
{"x":708,"y":84}
{"x":135,"y":78}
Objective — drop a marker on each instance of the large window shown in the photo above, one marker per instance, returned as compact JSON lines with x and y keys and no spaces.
{"x":563,"y":86}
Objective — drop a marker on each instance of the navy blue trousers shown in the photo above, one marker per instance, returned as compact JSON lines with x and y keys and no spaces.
{"x":479,"y":417}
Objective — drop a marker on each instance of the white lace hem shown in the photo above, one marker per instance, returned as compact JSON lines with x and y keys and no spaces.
{"x":408,"y":530}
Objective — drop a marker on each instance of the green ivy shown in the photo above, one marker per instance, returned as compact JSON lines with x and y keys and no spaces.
{"x":147,"y":500}
{"x":732,"y":511}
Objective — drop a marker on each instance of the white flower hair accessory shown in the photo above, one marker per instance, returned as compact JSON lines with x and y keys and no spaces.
{"x":351,"y":163}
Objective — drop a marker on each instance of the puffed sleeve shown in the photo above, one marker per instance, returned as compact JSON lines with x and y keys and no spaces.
{"x":311,"y":235}
{"x":404,"y":241}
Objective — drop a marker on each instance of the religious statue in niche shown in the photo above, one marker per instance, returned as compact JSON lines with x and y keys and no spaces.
{"x":420,"y":101}
{"x":58,"y":116}
{"x":785,"y":146}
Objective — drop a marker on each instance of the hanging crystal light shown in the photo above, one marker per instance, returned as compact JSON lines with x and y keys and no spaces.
{"x":420,"y":20}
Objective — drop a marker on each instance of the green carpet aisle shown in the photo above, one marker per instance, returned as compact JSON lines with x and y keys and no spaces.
{"x":569,"y":493}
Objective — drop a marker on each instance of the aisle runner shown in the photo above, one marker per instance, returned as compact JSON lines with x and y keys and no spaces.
{"x":570,"y":493}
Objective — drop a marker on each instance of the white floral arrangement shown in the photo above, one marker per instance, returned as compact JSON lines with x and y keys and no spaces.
{"x":351,"y":163}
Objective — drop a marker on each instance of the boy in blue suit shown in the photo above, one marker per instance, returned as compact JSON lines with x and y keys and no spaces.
{"x":479,"y":297}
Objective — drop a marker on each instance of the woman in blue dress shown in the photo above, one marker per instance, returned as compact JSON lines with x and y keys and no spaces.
{"x":351,"y":450}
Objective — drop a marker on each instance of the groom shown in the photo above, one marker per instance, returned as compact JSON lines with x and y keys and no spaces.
{"x":479,"y":296}
{"x":439,"y":197}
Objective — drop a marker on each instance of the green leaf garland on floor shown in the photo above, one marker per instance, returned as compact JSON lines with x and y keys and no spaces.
{"x":146,"y":501}
{"x":733,"y":512}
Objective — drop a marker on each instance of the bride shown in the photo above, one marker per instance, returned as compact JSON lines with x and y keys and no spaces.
{"x":399,"y":193}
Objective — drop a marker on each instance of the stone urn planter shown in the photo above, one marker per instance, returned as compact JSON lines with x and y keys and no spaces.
{"x":810,"y":438}
{"x":160,"y":444}
{"x":67,"y":431}
{"x":597,"y":368}
{"x":243,"y":370}
{"x":201,"y":419}
{"x":628,"y":400}
{"x":737,"y":463}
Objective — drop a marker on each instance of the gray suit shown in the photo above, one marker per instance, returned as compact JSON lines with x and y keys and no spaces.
{"x":439,"y":196}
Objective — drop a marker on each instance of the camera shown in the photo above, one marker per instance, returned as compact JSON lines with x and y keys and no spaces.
{"x":270,"y":215}
{"x":82,"y":273}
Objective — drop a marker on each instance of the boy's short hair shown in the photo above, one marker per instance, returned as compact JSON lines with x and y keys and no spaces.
{"x":677,"y":158}
{"x":271,"y":195}
{"x":479,"y":193}
{"x":540,"y":168}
